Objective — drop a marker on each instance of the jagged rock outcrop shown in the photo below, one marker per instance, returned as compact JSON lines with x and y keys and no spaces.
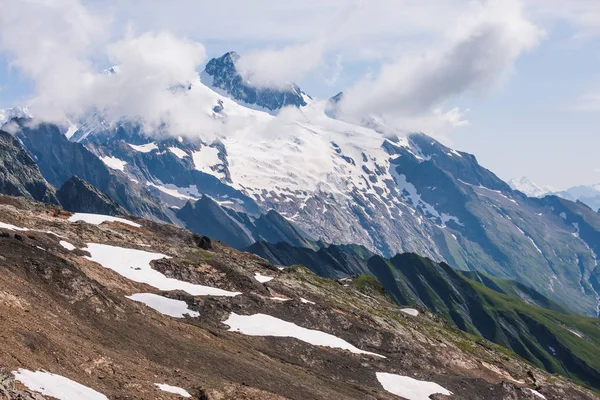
{"x":77,"y":195}
{"x":225,"y":76}
{"x":19,"y":174}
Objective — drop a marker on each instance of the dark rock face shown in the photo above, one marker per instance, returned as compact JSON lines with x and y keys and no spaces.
{"x":19,"y":174}
{"x":208,"y":218}
{"x":76,"y":195}
{"x":331,"y":261}
{"x":59,"y":159}
{"x":273,"y":228}
{"x":226,"y":77}
{"x":237,"y":229}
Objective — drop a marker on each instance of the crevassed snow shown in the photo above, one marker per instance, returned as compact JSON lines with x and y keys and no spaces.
{"x":114,"y":163}
{"x":56,"y":386}
{"x":135,"y":265}
{"x":67,"y":245}
{"x":173,"y":389}
{"x":205,"y":158}
{"x":178,"y":152}
{"x":97,"y":219}
{"x":170,"y":307}
{"x":409,"y":388}
{"x":12,"y":227}
{"x":144,"y":148}
{"x":263,"y":278}
{"x":410,"y":311}
{"x":266,"y":325}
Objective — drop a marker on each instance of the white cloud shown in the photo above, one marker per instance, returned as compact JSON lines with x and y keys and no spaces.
{"x":470,"y":47}
{"x":338,"y":68}
{"x":476,"y":56}
{"x":278,"y":67}
{"x":55,"y":43}
{"x":275,"y":67}
{"x":589,"y":101}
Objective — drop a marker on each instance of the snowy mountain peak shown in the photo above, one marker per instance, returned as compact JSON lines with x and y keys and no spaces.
{"x":525,"y":185}
{"x":225,"y":76}
{"x":7,"y":114}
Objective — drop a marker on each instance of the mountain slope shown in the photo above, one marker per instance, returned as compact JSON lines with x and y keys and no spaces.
{"x":505,"y":312}
{"x":513,"y":288}
{"x":589,"y":195}
{"x":560,"y":343}
{"x":76,"y":311}
{"x":19,"y":175}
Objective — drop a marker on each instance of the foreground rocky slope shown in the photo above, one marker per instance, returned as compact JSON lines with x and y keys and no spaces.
{"x":65,"y":309}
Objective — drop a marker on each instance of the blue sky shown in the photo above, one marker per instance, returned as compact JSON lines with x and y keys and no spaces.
{"x":531,"y":109}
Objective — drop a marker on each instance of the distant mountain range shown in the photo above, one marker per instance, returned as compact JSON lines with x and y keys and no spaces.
{"x":311,"y":180}
{"x":589,"y":195}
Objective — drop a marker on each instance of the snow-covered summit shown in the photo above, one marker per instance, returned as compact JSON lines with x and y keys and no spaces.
{"x":225,"y":76}
{"x":7,"y":114}
{"x":525,"y":185}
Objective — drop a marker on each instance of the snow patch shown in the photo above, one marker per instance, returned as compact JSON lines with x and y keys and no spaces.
{"x":56,"y":386}
{"x":410,"y":311}
{"x":135,"y":265}
{"x":166,"y":306}
{"x":263,"y":278}
{"x":178,"y":152}
{"x":537,"y":394}
{"x":409,"y":388}
{"x":266,"y":325}
{"x":67,"y":245}
{"x":97,"y":219}
{"x":114,"y":163}
{"x":144,"y":148}
{"x":12,"y":227}
{"x":303,"y":300}
{"x":575,"y":333}
{"x":173,"y":389}
{"x":189,"y":193}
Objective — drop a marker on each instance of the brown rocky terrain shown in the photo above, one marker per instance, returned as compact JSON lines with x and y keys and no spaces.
{"x":63,"y":313}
